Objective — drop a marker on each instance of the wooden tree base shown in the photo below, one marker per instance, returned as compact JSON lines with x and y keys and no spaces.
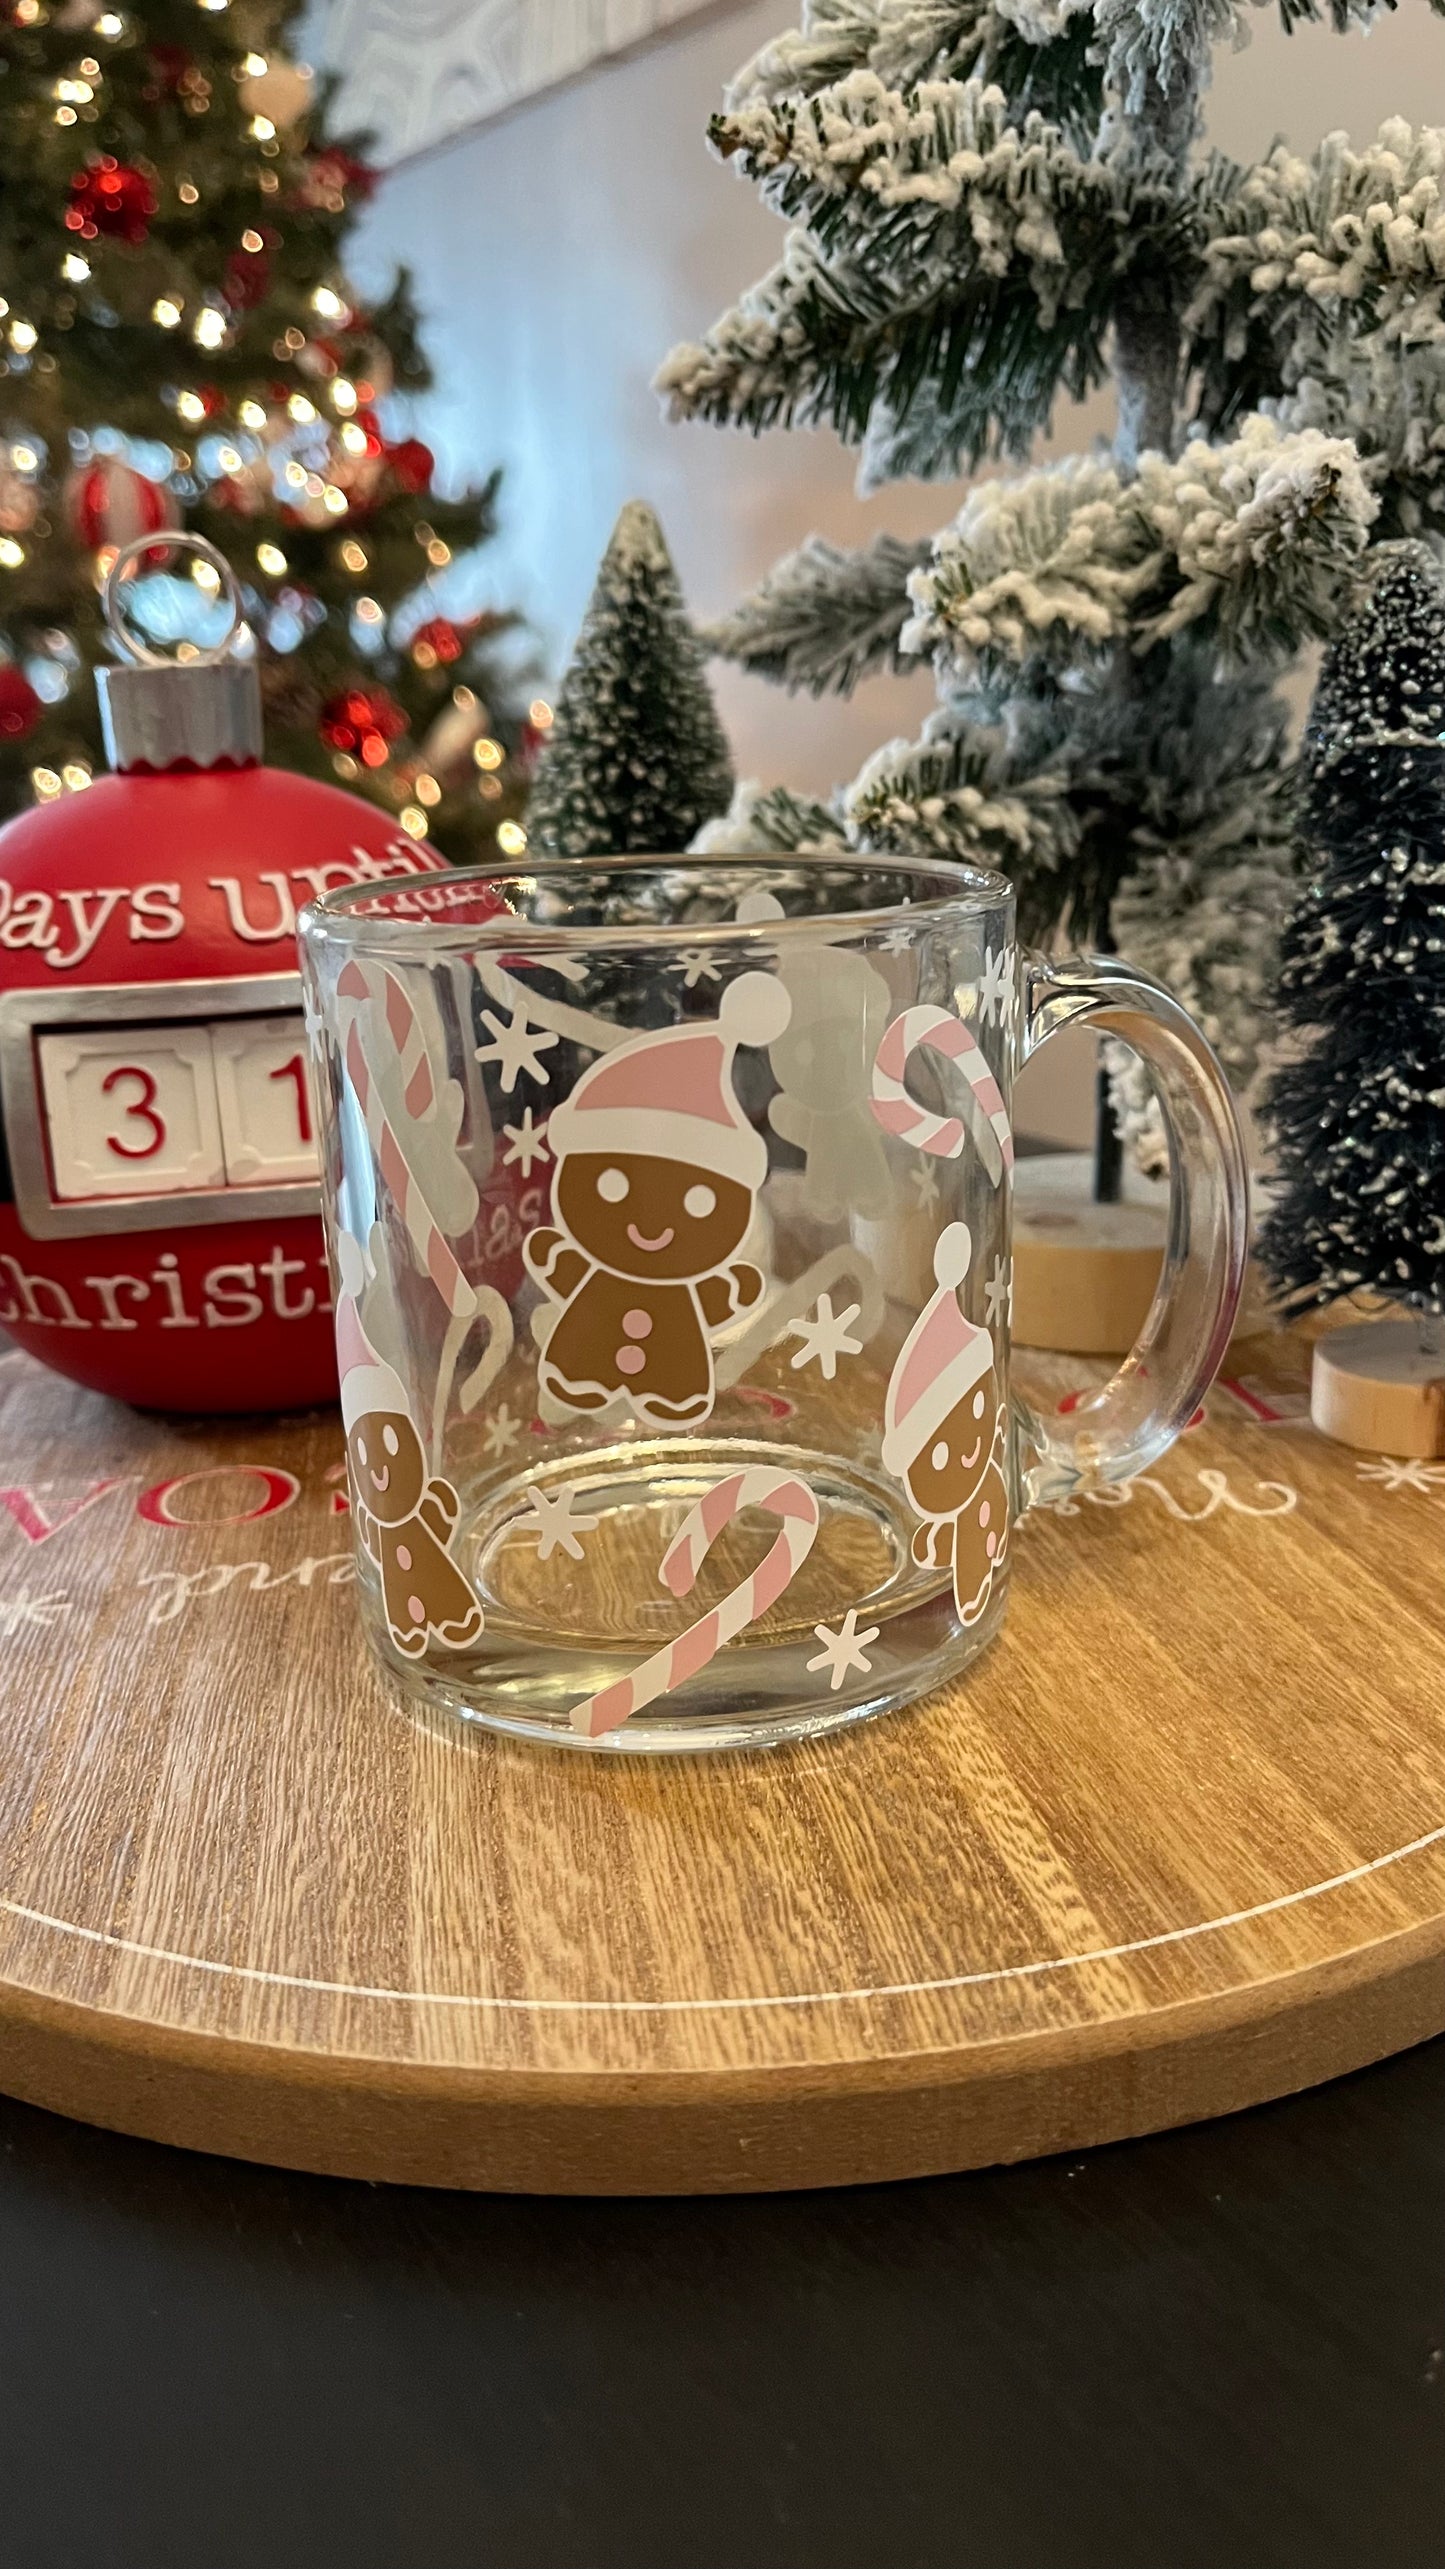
{"x":1176,"y":1845}
{"x":1084,"y":1273}
{"x":1378,"y":1386}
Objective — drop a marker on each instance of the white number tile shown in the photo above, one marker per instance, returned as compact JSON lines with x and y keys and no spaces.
{"x":131,"y":1112}
{"x":263,"y":1088}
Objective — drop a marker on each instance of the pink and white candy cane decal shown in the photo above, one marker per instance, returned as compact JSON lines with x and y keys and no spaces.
{"x":785,"y":1497}
{"x":942,"y":1136}
{"x":419,"y":1092}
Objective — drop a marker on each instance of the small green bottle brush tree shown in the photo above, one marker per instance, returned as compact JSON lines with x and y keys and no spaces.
{"x":994,"y":202}
{"x":1357,"y":1110}
{"x":637,"y":761}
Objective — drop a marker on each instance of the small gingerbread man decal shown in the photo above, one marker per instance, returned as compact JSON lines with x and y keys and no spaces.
{"x":404,"y":1515}
{"x":946,"y":1435}
{"x":652,"y":1196}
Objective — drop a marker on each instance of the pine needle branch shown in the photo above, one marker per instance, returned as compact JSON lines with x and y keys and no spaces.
{"x":825,"y":616}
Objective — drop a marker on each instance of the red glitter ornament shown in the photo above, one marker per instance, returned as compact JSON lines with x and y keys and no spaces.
{"x":436,"y":640}
{"x":363,"y":721}
{"x":169,"y":65}
{"x":412,"y":464}
{"x":20,"y":707}
{"x":330,"y":176}
{"x":111,"y":197}
{"x":247,"y":279}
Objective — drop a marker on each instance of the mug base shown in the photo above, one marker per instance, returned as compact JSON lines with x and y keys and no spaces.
{"x":768,"y":1623}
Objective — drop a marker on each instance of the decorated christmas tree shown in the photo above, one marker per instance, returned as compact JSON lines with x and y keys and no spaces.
{"x":998,"y":201}
{"x":1359,"y":1111}
{"x":637,"y":760}
{"x":179,"y":341}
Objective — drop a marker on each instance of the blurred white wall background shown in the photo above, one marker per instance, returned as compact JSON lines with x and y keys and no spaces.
{"x":559,"y":252}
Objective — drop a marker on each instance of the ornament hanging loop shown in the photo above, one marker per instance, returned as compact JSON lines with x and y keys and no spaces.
{"x":140,"y":654}
{"x":200,"y":711}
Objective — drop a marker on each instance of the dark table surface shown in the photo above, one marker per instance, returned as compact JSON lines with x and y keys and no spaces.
{"x":1223,"y":2347}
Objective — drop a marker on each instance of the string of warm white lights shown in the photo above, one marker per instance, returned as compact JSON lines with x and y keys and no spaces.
{"x":192,"y":350}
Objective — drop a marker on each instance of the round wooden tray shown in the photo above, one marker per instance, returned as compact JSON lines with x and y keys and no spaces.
{"x":1179,"y":1845}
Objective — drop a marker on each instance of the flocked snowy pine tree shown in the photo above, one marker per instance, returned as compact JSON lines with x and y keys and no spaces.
{"x":1358,"y":1113}
{"x":995,"y":201}
{"x":637,"y":760}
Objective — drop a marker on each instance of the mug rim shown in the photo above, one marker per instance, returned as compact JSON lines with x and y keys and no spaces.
{"x":968,"y":890}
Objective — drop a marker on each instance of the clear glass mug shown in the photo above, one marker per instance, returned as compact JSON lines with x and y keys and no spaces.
{"x":669,"y":1203}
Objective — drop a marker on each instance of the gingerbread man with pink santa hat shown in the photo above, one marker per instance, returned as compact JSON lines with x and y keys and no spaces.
{"x":653,"y":1194}
{"x":945,"y":1434}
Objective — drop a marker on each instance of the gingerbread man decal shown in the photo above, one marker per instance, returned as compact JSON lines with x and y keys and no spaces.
{"x":945,"y":1435}
{"x":404,"y":1516}
{"x":652,"y":1195}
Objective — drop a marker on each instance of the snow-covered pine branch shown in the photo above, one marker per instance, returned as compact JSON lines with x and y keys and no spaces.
{"x":1305,"y":250}
{"x":767,"y":821}
{"x":1393,"y":405}
{"x":825,"y":616}
{"x":1037,"y":51}
{"x":1153,"y":47}
{"x":951,"y":794}
{"x":947,"y":256}
{"x":903,"y":39}
{"x":1247,"y":544}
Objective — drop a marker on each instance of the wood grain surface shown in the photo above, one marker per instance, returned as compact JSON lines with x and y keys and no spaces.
{"x":1177,"y":1845}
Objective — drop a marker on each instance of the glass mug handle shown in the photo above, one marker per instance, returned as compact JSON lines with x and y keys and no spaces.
{"x":1118,"y":1430}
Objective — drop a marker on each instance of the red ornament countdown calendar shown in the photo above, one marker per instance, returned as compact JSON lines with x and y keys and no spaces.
{"x":160,"y":1235}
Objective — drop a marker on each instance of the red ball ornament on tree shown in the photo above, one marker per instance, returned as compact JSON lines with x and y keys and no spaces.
{"x":169,"y":66}
{"x":247,"y":279}
{"x":160,"y":1236}
{"x":363,"y":722}
{"x":412,"y":464}
{"x":108,"y":502}
{"x":20,"y":707}
{"x":328,"y":177}
{"x":110,"y":197}
{"x":436,"y":643}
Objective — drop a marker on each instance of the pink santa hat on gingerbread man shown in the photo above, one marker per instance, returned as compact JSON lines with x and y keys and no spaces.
{"x":368,"y":1383}
{"x":940,"y":1360}
{"x":670,"y":1095}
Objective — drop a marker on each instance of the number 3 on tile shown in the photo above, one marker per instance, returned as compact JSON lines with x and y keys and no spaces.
{"x":139,"y":1111}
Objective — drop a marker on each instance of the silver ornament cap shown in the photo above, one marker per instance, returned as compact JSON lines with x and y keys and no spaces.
{"x":157,"y":713}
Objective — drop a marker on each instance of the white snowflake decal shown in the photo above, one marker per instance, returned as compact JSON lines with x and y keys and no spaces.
{"x":845,"y":1649}
{"x":998,"y":1293}
{"x":515,"y":1047}
{"x":695,"y":964}
{"x":825,"y":1337}
{"x":502,"y":1430}
{"x":527,"y":1142}
{"x":995,"y":989}
{"x":926,"y":1181}
{"x":1404,"y":1474}
{"x":559,"y":1529}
